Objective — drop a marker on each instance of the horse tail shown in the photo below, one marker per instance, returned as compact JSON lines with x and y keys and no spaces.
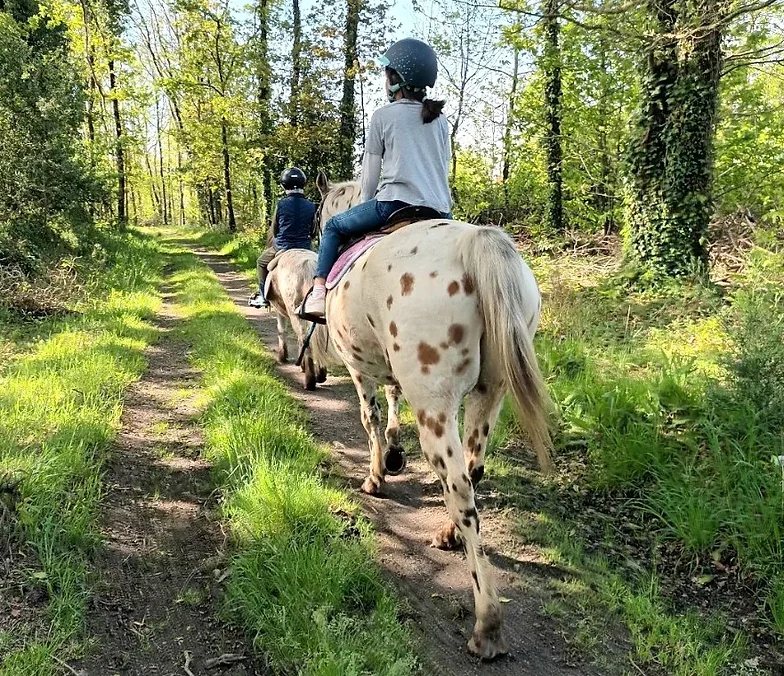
{"x":509,"y":303}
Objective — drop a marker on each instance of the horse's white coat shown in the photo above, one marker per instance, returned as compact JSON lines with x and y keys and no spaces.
{"x":446,"y":311}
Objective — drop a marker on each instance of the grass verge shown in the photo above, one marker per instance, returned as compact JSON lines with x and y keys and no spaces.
{"x":669,"y":502}
{"x":303,"y":584}
{"x":60,"y":406}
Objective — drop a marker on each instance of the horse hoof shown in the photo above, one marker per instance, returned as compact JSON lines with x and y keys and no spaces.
{"x":394,"y":460}
{"x":321,"y":376}
{"x":371,"y":486}
{"x":310,"y":383}
{"x":283,"y":356}
{"x":487,"y":641}
{"x":448,"y":538}
{"x":488,"y":645}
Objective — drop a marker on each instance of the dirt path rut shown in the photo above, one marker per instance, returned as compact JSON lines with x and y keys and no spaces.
{"x":152,"y":608}
{"x":436,"y":584}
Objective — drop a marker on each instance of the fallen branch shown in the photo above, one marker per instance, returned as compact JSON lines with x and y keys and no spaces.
{"x":185,"y":667}
{"x":226,"y":658}
{"x":69,"y":667}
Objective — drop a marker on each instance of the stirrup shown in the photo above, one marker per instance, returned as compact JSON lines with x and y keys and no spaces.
{"x":315,"y":319}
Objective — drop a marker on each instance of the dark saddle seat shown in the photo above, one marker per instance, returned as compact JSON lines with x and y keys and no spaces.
{"x":397,"y":220}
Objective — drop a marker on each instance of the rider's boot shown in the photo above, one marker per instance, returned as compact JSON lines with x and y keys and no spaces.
{"x":258,"y":300}
{"x":315,"y":302}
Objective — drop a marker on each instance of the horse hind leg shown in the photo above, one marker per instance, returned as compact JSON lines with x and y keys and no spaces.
{"x":371,"y":420}
{"x":308,"y":364}
{"x":283,"y":350}
{"x":395,"y":456}
{"x":482,"y":406}
{"x":440,"y":439}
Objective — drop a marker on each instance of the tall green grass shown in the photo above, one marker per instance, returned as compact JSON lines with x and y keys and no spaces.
{"x":670,"y":406}
{"x":60,"y":406}
{"x":303,"y":583}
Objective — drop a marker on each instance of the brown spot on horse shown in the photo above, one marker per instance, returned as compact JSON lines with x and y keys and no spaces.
{"x":433,"y":275}
{"x":427,"y":354}
{"x":462,"y":366}
{"x":453,"y":288}
{"x":389,"y":302}
{"x":414,"y":250}
{"x":456,"y":333}
{"x":393,"y":329}
{"x":406,"y":284}
{"x":468,"y":284}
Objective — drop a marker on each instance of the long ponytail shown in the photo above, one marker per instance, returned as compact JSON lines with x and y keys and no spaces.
{"x":431,"y":108}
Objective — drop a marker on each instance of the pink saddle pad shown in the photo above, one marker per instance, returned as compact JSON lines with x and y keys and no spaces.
{"x":348,"y":258}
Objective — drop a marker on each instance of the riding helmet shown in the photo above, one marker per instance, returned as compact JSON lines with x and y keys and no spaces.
{"x":293,"y":179}
{"x":415,"y":62}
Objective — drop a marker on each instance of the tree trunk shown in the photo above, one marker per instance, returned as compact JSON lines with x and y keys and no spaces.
{"x":296,"y":56}
{"x":133,"y":205}
{"x":153,"y":191}
{"x":509,"y":126}
{"x":604,"y":192}
{"x":119,"y":154}
{"x":227,"y":175}
{"x":552,"y":95}
{"x":671,"y":155}
{"x":181,"y":187}
{"x":90,"y":103}
{"x":348,"y":115}
{"x":162,"y":174}
{"x":264,"y":95}
{"x":212,"y":210}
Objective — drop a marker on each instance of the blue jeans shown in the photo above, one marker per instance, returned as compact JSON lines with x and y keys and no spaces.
{"x":361,"y":220}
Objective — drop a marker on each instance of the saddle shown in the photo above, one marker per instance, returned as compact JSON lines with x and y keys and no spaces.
{"x":353,"y":249}
{"x":397,"y":220}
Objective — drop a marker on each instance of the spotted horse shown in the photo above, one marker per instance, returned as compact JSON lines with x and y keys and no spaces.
{"x":444,"y":311}
{"x":290,"y":276}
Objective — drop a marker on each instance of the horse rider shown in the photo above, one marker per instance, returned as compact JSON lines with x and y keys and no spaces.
{"x":406,"y":161}
{"x":292,"y":224}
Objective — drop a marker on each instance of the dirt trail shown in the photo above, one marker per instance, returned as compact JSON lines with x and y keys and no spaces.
{"x":156,"y":575}
{"x":435,"y":583}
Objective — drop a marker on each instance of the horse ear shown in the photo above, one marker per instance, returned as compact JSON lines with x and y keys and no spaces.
{"x":322,"y":183}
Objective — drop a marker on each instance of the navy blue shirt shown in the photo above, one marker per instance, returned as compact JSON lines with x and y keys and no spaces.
{"x":293,"y":222}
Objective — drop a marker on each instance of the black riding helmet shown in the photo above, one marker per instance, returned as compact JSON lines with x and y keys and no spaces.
{"x":293,"y":179}
{"x":414,"y":61}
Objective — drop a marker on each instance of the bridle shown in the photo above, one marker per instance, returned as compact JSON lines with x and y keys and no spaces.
{"x":315,"y":231}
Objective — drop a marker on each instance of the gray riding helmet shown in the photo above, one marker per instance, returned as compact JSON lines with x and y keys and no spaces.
{"x":415,"y":62}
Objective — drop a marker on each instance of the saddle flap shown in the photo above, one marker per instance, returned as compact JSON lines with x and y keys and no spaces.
{"x":274,"y":262}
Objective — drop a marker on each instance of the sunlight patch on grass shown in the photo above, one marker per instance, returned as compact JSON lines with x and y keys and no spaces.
{"x":302,"y":583}
{"x":60,"y":406}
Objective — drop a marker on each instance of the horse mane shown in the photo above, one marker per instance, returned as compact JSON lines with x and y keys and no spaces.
{"x":346,"y":185}
{"x":337,"y":199}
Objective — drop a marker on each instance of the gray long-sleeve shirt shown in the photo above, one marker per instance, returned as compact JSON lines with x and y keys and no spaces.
{"x":414,"y":157}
